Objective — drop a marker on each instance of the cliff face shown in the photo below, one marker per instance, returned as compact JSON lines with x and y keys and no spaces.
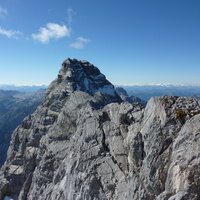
{"x":84,"y":142}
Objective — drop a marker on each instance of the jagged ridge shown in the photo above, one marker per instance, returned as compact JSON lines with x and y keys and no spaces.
{"x":84,"y":142}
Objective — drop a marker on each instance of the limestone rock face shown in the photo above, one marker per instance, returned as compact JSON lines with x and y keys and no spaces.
{"x":84,"y":143}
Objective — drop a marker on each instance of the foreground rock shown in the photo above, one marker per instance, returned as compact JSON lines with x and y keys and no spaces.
{"x":84,"y":142}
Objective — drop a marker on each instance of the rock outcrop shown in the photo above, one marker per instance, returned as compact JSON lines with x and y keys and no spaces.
{"x":84,"y":143}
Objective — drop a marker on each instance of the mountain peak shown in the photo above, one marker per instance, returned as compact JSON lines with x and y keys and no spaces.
{"x":82,"y":144}
{"x":76,"y":75}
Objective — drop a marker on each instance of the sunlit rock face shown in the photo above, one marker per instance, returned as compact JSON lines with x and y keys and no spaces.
{"x":85,"y":143}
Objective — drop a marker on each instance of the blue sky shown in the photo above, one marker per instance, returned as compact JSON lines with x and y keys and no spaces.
{"x":131,"y":41}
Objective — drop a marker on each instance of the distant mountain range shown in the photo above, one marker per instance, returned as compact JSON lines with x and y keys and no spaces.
{"x":14,"y":107}
{"x":23,"y":88}
{"x":145,"y":92}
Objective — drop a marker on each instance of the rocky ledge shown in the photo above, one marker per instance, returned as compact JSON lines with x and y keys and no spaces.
{"x":85,"y":143}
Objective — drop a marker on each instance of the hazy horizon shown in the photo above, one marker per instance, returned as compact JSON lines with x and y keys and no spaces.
{"x":116,"y":85}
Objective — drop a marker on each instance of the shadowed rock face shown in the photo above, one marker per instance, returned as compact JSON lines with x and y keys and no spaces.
{"x":81,"y":76}
{"x":14,"y":107}
{"x":125,"y":97}
{"x":84,"y":143}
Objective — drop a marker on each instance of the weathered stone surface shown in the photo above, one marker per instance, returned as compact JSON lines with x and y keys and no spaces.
{"x":85,"y":143}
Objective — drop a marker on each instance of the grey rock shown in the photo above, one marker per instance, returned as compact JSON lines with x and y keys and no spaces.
{"x":85,"y":143}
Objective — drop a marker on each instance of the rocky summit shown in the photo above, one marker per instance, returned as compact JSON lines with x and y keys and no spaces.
{"x":86,"y":143}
